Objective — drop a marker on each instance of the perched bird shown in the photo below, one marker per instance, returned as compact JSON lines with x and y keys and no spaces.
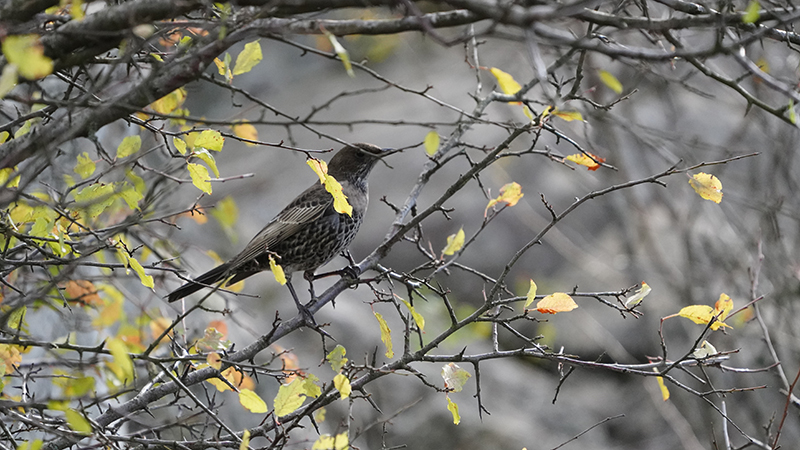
{"x":307,"y":233}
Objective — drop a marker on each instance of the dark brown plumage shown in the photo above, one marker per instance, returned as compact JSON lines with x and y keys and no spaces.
{"x":308,"y":232}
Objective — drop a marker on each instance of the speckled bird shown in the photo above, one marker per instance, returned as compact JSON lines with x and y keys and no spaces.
{"x":307,"y":233}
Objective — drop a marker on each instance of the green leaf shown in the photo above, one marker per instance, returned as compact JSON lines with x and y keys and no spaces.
{"x":200,"y":177}
{"x":131,"y":196}
{"x":78,"y":422}
{"x":129,"y":146}
{"x":210,"y":139}
{"x":206,"y":157}
{"x":16,"y":320}
{"x":327,"y":442}
{"x":252,"y":402}
{"x":290,"y":397}
{"x":24,"y":129}
{"x":431,"y":142}
{"x":386,"y":334}
{"x":792,"y":113}
{"x":752,"y":13}
{"x":336,"y":358}
{"x":611,"y":81}
{"x":248,"y":58}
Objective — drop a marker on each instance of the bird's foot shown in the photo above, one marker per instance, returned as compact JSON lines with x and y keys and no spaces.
{"x":350,"y":272}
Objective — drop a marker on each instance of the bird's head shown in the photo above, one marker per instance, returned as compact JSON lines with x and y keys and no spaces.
{"x":354,"y":162}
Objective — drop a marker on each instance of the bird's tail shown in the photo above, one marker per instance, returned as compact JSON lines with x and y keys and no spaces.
{"x":207,"y":279}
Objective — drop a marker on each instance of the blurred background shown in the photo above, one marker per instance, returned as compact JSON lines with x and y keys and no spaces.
{"x":687,"y":249}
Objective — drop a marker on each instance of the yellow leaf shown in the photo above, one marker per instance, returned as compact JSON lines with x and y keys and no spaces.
{"x":752,"y":13}
{"x":206,"y":157}
{"x":418,"y":319}
{"x":158,"y":326}
{"x":85,"y":167}
{"x":662,"y":386}
{"x":336,"y":358}
{"x":78,"y":422}
{"x":707,"y":186}
{"x":245,"y":444}
{"x":179,"y":144}
{"x":226,"y":212}
{"x":637,"y":297}
{"x":248,"y":58}
{"x":431,"y":142}
{"x":556,"y":303}
{"x":319,"y":167}
{"x":310,"y":386}
{"x":327,"y":442}
{"x":701,"y":314}
{"x":169,"y":102}
{"x":723,"y":306}
{"x":4,"y":174}
{"x":527,"y":112}
{"x":246,"y":131}
{"x":342,"y":384}
{"x":454,"y":243}
{"x":386,"y":334}
{"x":224,"y":68}
{"x":586,"y":160}
{"x":147,"y":280}
{"x":453,"y":408}
{"x":76,"y":10}
{"x":9,"y":357}
{"x":510,"y":194}
{"x":4,"y":136}
{"x":290,"y":397}
{"x":27,"y":53}
{"x":129,"y":146}
{"x":95,"y":198}
{"x":119,"y":351}
{"x":507,"y":83}
{"x":200,"y":177}
{"x":611,"y":81}
{"x":277,"y":271}
{"x":209,"y":139}
{"x":252,"y":402}
{"x":8,"y":80}
{"x":24,"y":129}
{"x":531,"y":295}
{"x":568,"y":116}
{"x":340,"y":203}
{"x":341,"y":52}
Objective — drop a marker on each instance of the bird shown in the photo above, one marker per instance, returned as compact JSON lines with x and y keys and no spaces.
{"x":307,"y":233}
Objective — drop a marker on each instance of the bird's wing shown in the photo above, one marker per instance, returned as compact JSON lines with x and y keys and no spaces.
{"x":306,"y":208}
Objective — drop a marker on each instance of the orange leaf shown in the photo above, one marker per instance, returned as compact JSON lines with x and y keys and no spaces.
{"x":586,"y":160}
{"x":509,"y":194}
{"x":555,"y":303}
{"x":83,"y":291}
